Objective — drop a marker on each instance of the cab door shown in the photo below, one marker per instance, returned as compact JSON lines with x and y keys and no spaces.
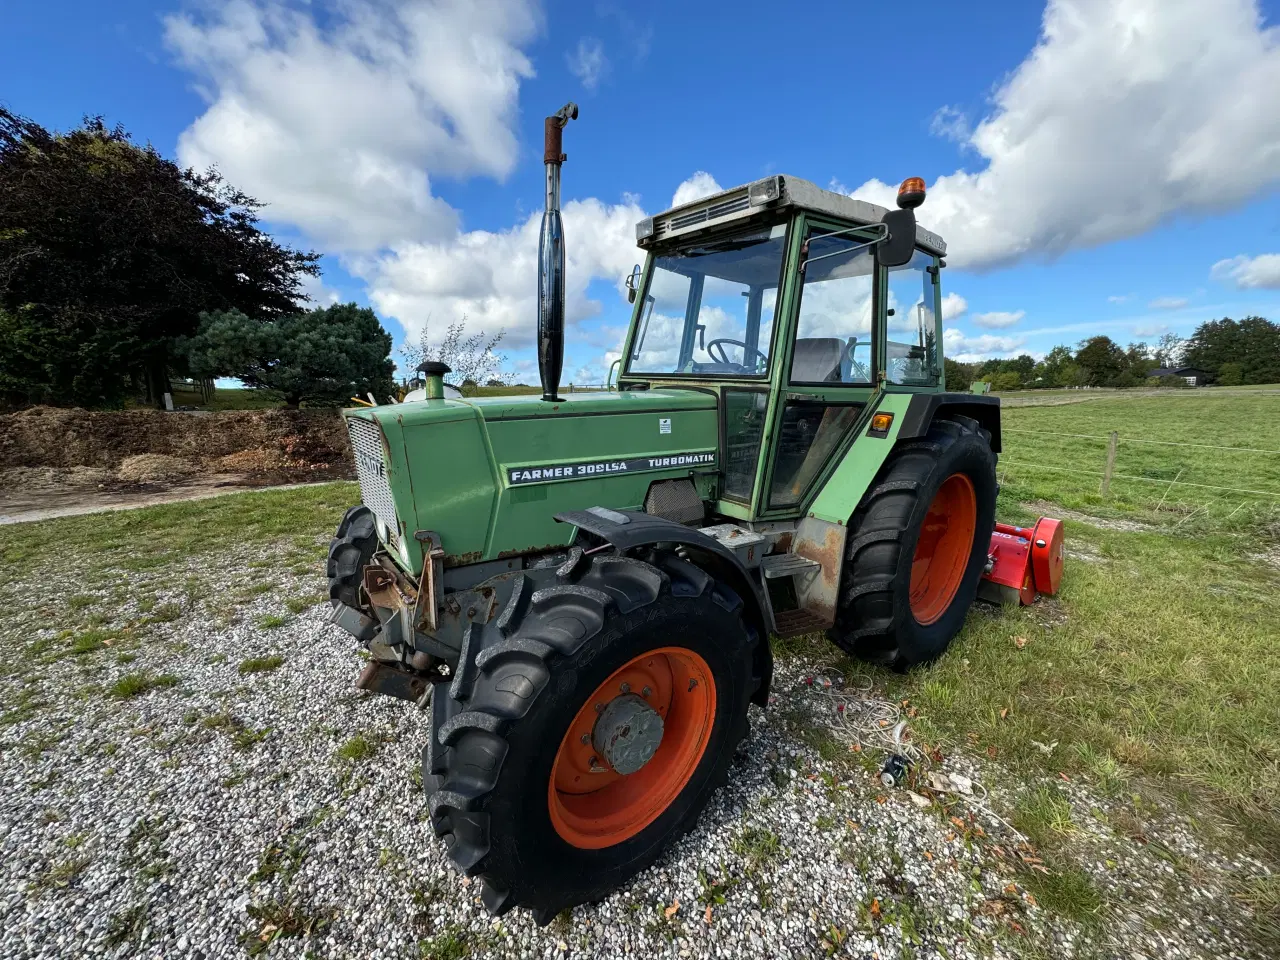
{"x":830,"y":366}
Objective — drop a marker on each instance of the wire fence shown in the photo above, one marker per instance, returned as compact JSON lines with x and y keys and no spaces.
{"x":1237,"y":476}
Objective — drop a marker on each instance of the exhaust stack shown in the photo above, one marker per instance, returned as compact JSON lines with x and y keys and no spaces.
{"x":551,"y":259}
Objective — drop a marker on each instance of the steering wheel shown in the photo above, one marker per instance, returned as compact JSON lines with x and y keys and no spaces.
{"x":724,"y":355}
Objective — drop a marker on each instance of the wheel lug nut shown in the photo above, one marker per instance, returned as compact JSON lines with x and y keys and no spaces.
{"x":625,"y":688}
{"x":647,"y":691}
{"x":599,"y":708}
{"x":585,"y":738}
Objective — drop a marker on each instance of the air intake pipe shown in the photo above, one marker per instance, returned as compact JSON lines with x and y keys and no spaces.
{"x":551,"y":259}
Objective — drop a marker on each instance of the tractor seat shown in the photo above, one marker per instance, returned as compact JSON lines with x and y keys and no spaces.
{"x":817,"y":359}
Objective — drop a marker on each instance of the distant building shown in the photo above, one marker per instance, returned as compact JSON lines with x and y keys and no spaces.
{"x":1193,"y":375}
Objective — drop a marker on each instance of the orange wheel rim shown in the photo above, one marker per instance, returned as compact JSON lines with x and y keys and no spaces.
{"x":594,"y":806}
{"x":943,"y":550}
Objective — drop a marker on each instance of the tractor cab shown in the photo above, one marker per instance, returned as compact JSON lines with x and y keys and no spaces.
{"x":795,"y":308}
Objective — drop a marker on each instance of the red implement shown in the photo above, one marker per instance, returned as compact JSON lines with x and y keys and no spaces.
{"x":1023,"y":563}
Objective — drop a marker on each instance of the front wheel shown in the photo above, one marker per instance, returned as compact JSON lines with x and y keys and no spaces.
{"x":589,"y":729}
{"x":917,"y":545}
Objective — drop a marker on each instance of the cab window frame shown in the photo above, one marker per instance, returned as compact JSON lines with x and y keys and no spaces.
{"x":875,"y":336}
{"x":634,"y":330}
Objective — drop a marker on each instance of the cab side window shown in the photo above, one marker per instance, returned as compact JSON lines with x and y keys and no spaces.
{"x":834,"y":329}
{"x":911,"y":353}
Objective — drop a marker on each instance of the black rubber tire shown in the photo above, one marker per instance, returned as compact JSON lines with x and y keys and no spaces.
{"x":874,"y":619}
{"x":350,"y":551}
{"x":519,"y":685}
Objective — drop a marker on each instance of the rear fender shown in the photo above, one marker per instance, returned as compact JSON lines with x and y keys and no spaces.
{"x":926,"y":407}
{"x":629,"y":529}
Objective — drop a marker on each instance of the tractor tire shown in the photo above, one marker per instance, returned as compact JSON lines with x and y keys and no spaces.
{"x":350,"y":551}
{"x":917,"y":545}
{"x":511,"y":766}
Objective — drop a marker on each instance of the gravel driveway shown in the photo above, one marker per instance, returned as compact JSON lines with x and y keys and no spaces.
{"x":187,"y":771}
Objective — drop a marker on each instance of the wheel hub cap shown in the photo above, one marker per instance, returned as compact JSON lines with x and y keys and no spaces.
{"x":627,"y":733}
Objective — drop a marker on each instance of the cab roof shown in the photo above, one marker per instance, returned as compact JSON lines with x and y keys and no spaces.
{"x":772,"y":193}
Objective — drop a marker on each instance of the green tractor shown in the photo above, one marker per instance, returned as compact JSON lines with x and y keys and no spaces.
{"x":583,"y":587}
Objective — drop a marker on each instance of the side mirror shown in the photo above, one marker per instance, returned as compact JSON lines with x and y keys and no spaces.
{"x":900,"y":245}
{"x":633,"y":283}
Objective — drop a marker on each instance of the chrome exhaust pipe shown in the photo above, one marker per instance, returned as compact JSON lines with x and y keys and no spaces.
{"x":551,"y":259}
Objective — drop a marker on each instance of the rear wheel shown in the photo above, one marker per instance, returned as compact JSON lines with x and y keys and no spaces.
{"x":588,"y":727}
{"x":917,"y":545}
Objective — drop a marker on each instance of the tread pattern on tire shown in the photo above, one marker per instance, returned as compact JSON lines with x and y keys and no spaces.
{"x":515,"y":662}
{"x":350,"y":550}
{"x":865,"y":621}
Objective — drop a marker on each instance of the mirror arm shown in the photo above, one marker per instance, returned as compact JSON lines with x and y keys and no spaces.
{"x":884,"y":234}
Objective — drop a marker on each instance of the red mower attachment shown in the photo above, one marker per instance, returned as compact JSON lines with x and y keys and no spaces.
{"x":1023,"y":563}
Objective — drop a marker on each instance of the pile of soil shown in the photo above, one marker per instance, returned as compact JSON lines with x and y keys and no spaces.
{"x":149,"y":446}
{"x":155,"y":468}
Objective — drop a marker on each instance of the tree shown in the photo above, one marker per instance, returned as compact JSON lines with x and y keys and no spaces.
{"x":324,"y":356}
{"x":959,"y":375}
{"x":1231,"y":374}
{"x":1049,"y":370}
{"x":473,"y":358}
{"x":1101,"y":359}
{"x":1008,"y":380}
{"x":1253,"y":342}
{"x":1169,"y":349}
{"x":109,"y":253}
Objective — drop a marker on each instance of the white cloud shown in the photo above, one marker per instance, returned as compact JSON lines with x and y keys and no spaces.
{"x":701,"y":184}
{"x":998,"y":319}
{"x":1122,"y":298}
{"x":953,"y":305}
{"x":951,"y":123}
{"x":1168,"y":303}
{"x":335,"y":127}
{"x":1124,"y":114}
{"x":588,"y":62}
{"x":1149,"y":330}
{"x":492,"y":277}
{"x":966,"y":349}
{"x":318,"y":292}
{"x":1262,"y":271}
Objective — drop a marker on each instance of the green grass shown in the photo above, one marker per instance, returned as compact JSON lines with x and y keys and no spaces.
{"x":136,"y":684}
{"x":161,"y":536}
{"x":356,"y":749}
{"x":272,"y":621}
{"x":261,"y":664}
{"x":1054,"y":459}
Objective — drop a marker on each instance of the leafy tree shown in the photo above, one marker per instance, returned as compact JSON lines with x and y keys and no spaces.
{"x":1008,"y":380}
{"x":959,"y":375}
{"x":1231,"y":374}
{"x":1049,"y":370}
{"x":324,"y":356}
{"x":1139,"y":361}
{"x":1169,"y":350}
{"x":1253,"y":342}
{"x":109,"y":253}
{"x":473,"y":358}
{"x":1101,"y":359}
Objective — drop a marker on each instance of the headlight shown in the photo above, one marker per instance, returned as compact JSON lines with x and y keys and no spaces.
{"x":644,"y":229}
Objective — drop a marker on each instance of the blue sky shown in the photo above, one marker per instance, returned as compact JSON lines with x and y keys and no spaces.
{"x":1096,"y":166}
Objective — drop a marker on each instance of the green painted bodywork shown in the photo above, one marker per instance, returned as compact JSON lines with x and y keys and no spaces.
{"x":448,"y":461}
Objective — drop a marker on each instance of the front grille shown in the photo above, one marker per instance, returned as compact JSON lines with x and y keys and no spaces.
{"x":371,"y":468}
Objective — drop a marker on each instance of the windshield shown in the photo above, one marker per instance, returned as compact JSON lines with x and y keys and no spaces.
{"x":709,"y":308}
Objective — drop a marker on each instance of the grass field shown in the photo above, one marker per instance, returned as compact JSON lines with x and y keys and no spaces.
{"x":1154,"y":677}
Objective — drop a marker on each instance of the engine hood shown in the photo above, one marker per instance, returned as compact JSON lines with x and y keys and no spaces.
{"x":489,"y":474}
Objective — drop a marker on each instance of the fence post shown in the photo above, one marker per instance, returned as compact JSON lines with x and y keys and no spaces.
{"x":1111,"y":463}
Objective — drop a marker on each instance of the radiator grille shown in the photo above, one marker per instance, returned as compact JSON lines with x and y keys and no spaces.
{"x":371,"y":468}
